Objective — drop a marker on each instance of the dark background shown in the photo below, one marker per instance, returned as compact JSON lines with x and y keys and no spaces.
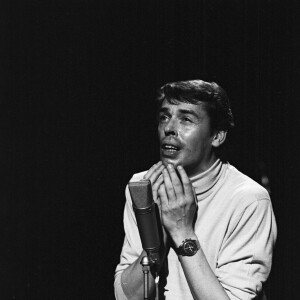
{"x":77,"y":119}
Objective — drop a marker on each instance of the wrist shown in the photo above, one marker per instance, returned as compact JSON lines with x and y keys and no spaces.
{"x":179,"y":238}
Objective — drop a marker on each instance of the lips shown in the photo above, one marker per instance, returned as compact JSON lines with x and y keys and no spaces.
{"x":170,"y":148}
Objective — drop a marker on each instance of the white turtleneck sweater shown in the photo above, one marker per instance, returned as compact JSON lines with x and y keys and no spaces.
{"x":235,"y":226}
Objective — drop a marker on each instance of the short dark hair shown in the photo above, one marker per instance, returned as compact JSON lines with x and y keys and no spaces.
{"x":193,"y":91}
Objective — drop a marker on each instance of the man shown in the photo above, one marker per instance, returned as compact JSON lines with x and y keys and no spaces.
{"x":218,"y":224}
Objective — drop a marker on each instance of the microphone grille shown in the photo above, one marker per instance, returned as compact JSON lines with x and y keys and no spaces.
{"x":141,"y":193}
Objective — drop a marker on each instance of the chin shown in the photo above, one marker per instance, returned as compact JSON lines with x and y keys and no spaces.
{"x":167,"y":160}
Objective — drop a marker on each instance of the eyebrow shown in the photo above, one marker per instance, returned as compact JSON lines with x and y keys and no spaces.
{"x":181,"y":111}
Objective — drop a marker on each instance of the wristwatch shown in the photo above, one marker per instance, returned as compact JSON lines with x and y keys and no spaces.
{"x":188,"y":247}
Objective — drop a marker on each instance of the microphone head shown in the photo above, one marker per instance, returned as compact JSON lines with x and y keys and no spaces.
{"x":145,"y":212}
{"x":141,"y":193}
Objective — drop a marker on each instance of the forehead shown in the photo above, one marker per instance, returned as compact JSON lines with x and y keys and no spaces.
{"x":178,"y":107}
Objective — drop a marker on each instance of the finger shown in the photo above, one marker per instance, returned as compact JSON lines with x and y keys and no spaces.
{"x":163,"y":196}
{"x":177,"y":185}
{"x":152,"y":170}
{"x":169,"y":186}
{"x":187,"y":186}
{"x":156,"y":186}
{"x":155,"y":172}
{"x":158,"y":182}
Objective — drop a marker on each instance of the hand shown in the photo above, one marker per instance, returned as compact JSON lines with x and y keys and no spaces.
{"x":178,"y":205}
{"x":154,"y":175}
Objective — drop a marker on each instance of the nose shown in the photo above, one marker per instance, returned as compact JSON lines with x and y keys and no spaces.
{"x":171,"y":128}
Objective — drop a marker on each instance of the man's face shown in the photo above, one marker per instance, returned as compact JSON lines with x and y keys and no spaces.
{"x":185,"y":136}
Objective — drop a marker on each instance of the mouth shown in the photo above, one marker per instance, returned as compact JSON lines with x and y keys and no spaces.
{"x":169,"y":149}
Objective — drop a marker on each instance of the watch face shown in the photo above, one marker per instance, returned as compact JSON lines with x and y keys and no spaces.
{"x":190,"y":248}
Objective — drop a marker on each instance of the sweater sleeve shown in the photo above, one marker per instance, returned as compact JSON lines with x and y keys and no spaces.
{"x":132,"y":247}
{"x":245,"y":257}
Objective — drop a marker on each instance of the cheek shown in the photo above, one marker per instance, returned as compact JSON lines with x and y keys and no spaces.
{"x":197,"y":141}
{"x":159,"y":133}
{"x":160,"y":130}
{"x":192,"y":138}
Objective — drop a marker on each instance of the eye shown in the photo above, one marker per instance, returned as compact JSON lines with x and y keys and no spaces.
{"x":163,"y":118}
{"x":186,"y":119}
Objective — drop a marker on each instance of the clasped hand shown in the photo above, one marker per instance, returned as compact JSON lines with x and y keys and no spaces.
{"x":174,"y":194}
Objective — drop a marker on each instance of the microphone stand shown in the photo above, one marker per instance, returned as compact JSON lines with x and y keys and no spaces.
{"x":146,"y":268}
{"x":146,"y":262}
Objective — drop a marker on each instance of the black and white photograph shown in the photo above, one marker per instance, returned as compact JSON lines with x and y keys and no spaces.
{"x":149,"y":150}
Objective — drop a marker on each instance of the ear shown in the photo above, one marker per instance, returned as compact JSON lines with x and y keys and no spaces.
{"x":219,"y":138}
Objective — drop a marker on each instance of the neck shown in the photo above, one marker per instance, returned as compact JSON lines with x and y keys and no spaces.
{"x":191,"y":172}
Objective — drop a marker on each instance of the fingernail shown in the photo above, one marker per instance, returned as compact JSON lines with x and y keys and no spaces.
{"x":169,"y":166}
{"x":179,"y":167}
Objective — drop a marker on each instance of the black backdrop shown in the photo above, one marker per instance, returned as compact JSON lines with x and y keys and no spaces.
{"x":78,"y":81}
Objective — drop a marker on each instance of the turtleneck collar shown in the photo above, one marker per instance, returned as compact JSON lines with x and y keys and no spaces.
{"x":204,"y":181}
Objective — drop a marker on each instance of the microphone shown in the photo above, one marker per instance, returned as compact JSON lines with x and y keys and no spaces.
{"x":145,"y":213}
